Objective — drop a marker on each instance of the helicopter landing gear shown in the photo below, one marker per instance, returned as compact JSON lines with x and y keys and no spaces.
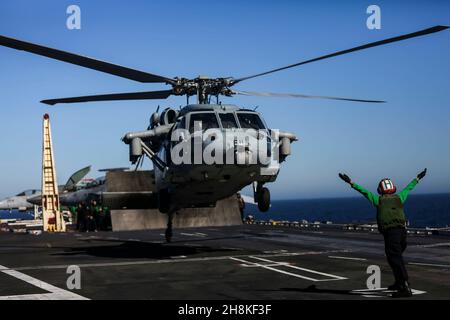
{"x":169,"y":232}
{"x":164,"y":201}
{"x":262,"y":197}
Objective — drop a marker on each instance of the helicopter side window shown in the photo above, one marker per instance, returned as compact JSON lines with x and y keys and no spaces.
{"x":208,"y":120}
{"x":228,"y":120}
{"x":250,"y":121}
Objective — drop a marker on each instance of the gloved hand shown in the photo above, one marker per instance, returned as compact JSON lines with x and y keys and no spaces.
{"x":345,"y":177}
{"x":422,"y":174}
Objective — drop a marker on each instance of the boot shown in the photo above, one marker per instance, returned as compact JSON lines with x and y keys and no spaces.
{"x":394,"y":287}
{"x":403,"y":292}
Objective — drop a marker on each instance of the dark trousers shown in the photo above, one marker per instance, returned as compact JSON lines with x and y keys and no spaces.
{"x":395,"y":245}
{"x":80,"y":222}
{"x":91,"y":225}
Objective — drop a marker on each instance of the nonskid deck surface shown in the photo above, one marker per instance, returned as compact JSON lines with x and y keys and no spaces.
{"x":242,"y":262}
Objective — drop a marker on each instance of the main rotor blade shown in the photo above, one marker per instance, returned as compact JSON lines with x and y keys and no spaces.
{"x":365,"y":46}
{"x":82,"y":61}
{"x":296,"y":95}
{"x":113,"y":97}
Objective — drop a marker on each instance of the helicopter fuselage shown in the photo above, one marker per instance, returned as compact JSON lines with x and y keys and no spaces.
{"x":210,"y":152}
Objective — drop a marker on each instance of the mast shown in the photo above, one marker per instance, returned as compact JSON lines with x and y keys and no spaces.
{"x":51,"y":215}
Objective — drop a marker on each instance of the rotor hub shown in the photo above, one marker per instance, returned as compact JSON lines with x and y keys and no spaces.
{"x":203,"y":87}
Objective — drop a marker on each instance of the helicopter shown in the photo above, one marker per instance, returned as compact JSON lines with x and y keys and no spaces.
{"x":228,"y":130}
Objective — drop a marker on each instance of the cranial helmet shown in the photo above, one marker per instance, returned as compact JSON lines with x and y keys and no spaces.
{"x":386,"y":186}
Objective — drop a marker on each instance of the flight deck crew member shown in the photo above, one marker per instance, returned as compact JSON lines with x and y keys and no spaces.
{"x":93,"y":216}
{"x":241,"y":203}
{"x":392,"y":225}
{"x":108,"y":224}
{"x":81,"y":217}
{"x":73,"y":214}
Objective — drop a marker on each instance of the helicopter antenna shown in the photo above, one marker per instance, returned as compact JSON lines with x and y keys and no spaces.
{"x":256,"y":107}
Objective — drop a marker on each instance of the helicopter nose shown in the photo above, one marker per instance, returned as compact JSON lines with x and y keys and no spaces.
{"x":233,"y":151}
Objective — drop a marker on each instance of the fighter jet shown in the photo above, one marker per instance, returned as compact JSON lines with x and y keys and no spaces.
{"x":19,"y":201}
{"x":27,"y":199}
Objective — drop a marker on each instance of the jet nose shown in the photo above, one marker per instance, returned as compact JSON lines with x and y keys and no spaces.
{"x":3,"y":205}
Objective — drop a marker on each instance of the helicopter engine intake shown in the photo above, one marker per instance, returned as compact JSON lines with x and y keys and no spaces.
{"x":168,"y":116}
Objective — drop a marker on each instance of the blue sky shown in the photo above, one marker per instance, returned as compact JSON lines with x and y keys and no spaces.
{"x":237,"y":38}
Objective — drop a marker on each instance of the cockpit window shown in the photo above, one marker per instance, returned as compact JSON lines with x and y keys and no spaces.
{"x":228,"y":120}
{"x":26,"y":193}
{"x":208,"y":120}
{"x":250,"y":121}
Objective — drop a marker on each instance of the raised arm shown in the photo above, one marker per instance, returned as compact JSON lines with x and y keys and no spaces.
{"x":404,"y":193}
{"x":373,"y":198}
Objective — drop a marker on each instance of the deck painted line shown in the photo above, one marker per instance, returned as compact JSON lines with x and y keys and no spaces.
{"x":274,"y":269}
{"x":434,"y":245}
{"x":381,"y":292}
{"x":304,"y":269}
{"x":55,"y":293}
{"x":347,"y":258}
{"x":267,"y":265}
{"x":161,"y":261}
{"x":430,"y":264}
{"x":197,"y":234}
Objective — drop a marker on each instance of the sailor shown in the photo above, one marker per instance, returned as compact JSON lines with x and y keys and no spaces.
{"x":81,"y":216}
{"x":93,"y":216}
{"x":392,"y":225}
{"x":107,"y":223}
{"x":101,"y":217}
{"x":241,"y":204}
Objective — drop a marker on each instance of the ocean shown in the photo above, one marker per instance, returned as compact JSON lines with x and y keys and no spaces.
{"x":430,"y":210}
{"x":15,"y":214}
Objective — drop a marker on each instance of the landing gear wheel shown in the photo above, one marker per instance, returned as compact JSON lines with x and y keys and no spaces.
{"x":263,"y":199}
{"x":163,"y":201}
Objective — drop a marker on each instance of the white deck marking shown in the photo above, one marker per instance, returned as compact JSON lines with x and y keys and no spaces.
{"x":303,"y":269}
{"x":441,"y":244}
{"x":148,"y":262}
{"x":273,"y":269}
{"x":381,"y":292}
{"x":347,"y":258}
{"x":55,"y":293}
{"x":197,"y":234}
{"x":267,"y":265}
{"x":430,"y":264}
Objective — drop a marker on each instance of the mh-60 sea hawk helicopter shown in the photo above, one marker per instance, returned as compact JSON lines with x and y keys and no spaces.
{"x":200,"y":184}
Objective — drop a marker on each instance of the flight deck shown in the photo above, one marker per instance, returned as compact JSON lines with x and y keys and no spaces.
{"x":238,"y":262}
